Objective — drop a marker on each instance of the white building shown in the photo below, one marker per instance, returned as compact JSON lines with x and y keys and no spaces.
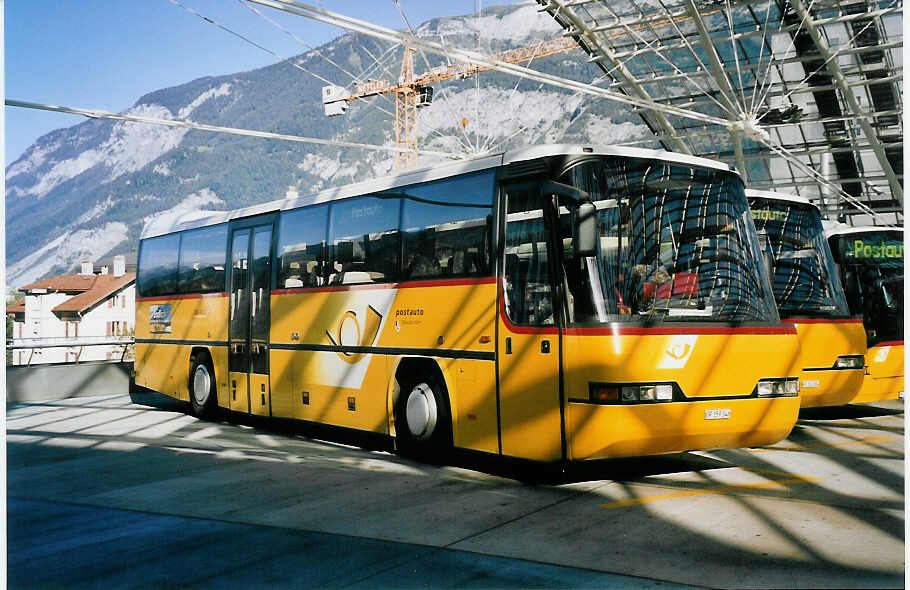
{"x":72,"y":312}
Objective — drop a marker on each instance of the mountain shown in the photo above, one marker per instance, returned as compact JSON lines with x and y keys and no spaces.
{"x":84,"y":192}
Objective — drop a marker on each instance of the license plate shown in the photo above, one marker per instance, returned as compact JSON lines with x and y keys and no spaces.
{"x":810,"y":383}
{"x":718,"y":413}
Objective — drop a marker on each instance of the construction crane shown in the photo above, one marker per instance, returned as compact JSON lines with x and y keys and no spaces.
{"x":414,"y":92}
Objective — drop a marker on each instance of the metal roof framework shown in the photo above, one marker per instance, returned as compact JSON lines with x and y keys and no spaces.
{"x":809,"y":91}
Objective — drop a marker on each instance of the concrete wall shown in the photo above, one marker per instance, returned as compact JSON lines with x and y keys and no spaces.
{"x":47,"y":382}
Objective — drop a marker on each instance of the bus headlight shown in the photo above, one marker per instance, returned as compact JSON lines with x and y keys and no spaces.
{"x":780,"y":387}
{"x":850,"y":361}
{"x":630,"y":393}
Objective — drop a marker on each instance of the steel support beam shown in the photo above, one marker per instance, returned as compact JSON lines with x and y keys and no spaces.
{"x":671,"y":42}
{"x":95,"y":114}
{"x":846,"y":93}
{"x":664,"y":127}
{"x":767,"y":63}
{"x":722,"y":82}
{"x":393,"y":36}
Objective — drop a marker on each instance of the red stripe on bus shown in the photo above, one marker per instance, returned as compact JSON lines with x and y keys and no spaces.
{"x":890,"y":343}
{"x":404,"y":285}
{"x":528,"y":329}
{"x":186,"y":296}
{"x":450,"y":282}
{"x":822,"y":321}
{"x":621,"y":330}
{"x":520,"y":329}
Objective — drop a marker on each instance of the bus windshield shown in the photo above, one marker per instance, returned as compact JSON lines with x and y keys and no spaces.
{"x":802,"y":269}
{"x":677,"y":243}
{"x":872,"y":268}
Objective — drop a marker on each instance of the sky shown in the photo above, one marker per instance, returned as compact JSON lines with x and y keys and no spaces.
{"x":105,"y":54}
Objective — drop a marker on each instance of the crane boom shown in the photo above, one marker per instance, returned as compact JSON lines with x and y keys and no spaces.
{"x":462,"y":69}
{"x":413,"y":91}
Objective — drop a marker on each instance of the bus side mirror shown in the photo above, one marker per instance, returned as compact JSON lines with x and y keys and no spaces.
{"x":585,"y":234}
{"x":625,"y":213}
{"x":852,"y":290}
{"x":344,"y":252}
{"x":838,"y":248}
{"x":764,"y":244}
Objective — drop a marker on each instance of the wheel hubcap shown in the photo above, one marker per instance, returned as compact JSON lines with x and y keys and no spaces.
{"x":202,"y":384}
{"x":421,"y":412}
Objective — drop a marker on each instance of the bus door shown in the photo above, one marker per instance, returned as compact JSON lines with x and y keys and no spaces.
{"x":528,"y":338}
{"x":248,"y":358}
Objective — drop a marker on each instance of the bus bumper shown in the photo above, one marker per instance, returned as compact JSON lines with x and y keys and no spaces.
{"x":606,"y":431}
{"x":884,"y":375}
{"x":829,"y":388}
{"x":879,"y":389}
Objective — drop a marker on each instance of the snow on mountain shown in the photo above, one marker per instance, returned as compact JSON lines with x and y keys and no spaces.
{"x":623,"y":132}
{"x":67,"y":251}
{"x":162,"y":169}
{"x":134,"y":145}
{"x":95,"y":212}
{"x":522,"y":23}
{"x":193,"y":202}
{"x":33,"y":158}
{"x":326,"y":169}
{"x":85,"y":192}
{"x":130,"y":147}
{"x":526,"y":116}
{"x":221,"y":90}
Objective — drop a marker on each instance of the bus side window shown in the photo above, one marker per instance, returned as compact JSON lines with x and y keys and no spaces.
{"x":202,"y":261}
{"x":446,"y":227}
{"x":527,"y":278}
{"x":301,"y":247}
{"x":158,"y":266}
{"x":366,"y":243}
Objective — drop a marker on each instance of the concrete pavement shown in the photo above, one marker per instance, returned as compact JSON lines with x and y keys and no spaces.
{"x":119,"y":492}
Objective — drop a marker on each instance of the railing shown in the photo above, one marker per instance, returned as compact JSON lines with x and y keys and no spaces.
{"x":74,"y":345}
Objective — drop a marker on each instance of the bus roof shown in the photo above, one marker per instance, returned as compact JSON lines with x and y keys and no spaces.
{"x":847,"y":230}
{"x":168,"y":224}
{"x":750,"y":193}
{"x":571,"y":149}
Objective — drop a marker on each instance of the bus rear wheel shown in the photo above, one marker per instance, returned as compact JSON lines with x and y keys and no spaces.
{"x":202,"y":387}
{"x":423,"y":422}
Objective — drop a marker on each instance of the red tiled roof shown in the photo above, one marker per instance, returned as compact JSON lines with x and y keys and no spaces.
{"x":66,"y":283}
{"x":18,"y":307}
{"x":103,"y":287}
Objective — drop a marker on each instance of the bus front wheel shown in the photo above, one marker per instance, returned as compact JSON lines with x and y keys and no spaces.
{"x":423,"y":423}
{"x":202,"y":387}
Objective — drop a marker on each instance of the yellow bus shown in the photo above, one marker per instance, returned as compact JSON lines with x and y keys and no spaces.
{"x":870,"y":261}
{"x":554,"y":303}
{"x":809,"y":296}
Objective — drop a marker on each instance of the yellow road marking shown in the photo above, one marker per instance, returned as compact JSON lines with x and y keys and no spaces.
{"x":863,"y":441}
{"x":718,"y":490}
